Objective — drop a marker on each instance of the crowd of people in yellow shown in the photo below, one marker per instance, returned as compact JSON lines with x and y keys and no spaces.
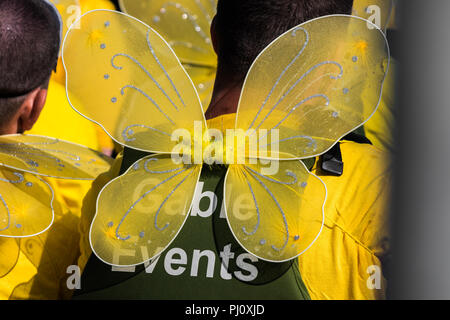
{"x":355,"y":235}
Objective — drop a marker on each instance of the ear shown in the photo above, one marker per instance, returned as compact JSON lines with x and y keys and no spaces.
{"x":31,"y":109}
{"x":214,"y":35}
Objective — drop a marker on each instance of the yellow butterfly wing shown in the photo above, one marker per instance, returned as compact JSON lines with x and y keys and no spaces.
{"x":185,"y":24}
{"x":203,"y":78}
{"x":309,"y":84}
{"x":51,"y":157}
{"x":141,"y":212}
{"x":275,"y":215}
{"x":26,"y":204}
{"x":128,"y":79}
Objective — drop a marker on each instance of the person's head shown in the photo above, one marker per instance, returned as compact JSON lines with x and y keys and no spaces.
{"x":243,"y":28}
{"x":29,"y":47}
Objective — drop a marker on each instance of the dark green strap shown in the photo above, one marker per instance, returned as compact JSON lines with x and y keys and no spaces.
{"x":331,"y":162}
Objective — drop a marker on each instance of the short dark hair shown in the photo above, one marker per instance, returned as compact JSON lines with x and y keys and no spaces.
{"x":29,"y":47}
{"x":246,"y":27}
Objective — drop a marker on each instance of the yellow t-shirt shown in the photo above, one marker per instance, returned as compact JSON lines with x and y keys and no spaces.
{"x":379,"y":129}
{"x":354,"y":237}
{"x":35,"y":267}
{"x":103,"y":141}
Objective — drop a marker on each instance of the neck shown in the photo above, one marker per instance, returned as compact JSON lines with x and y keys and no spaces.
{"x":225,"y":97}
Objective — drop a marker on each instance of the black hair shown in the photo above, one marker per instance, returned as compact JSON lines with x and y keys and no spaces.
{"x":245,"y":27}
{"x":29,"y":46}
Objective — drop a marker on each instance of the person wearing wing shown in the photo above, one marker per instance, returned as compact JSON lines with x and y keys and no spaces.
{"x":34,"y":267}
{"x":135,"y":245}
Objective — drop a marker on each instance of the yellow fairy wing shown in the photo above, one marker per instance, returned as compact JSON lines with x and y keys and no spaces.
{"x":275,"y":215}
{"x":26,"y":204}
{"x":185,"y":24}
{"x":307,"y":85}
{"x":9,"y":255}
{"x":141,"y":212}
{"x":203,"y":78}
{"x":123,"y":66}
{"x":379,"y":12}
{"x":51,"y":157}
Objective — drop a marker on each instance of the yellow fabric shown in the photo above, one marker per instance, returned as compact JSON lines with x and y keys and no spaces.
{"x":40,"y":270}
{"x":379,"y":128}
{"x":355,"y":232}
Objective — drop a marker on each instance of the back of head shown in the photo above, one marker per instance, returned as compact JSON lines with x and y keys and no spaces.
{"x":29,"y":47}
{"x":245,"y":27}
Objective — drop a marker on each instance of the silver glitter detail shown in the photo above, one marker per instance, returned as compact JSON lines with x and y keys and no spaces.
{"x":295,"y":108}
{"x":157,"y":172}
{"x":163,"y":69}
{"x":354,"y":58}
{"x":103,"y":46}
{"x":178,"y":43}
{"x":167,"y":198}
{"x":8,"y":213}
{"x":127,"y":129}
{"x":143,"y":69}
{"x":312,"y":142}
{"x":279,"y":208}
{"x":190,"y":17}
{"x":122,"y":91}
{"x":297,"y":82}
{"x":139,"y":200}
{"x":288,"y":173}
{"x":282,"y":74}
{"x":18,"y":175}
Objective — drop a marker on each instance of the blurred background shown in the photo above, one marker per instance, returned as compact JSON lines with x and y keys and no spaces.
{"x":420,"y":201}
